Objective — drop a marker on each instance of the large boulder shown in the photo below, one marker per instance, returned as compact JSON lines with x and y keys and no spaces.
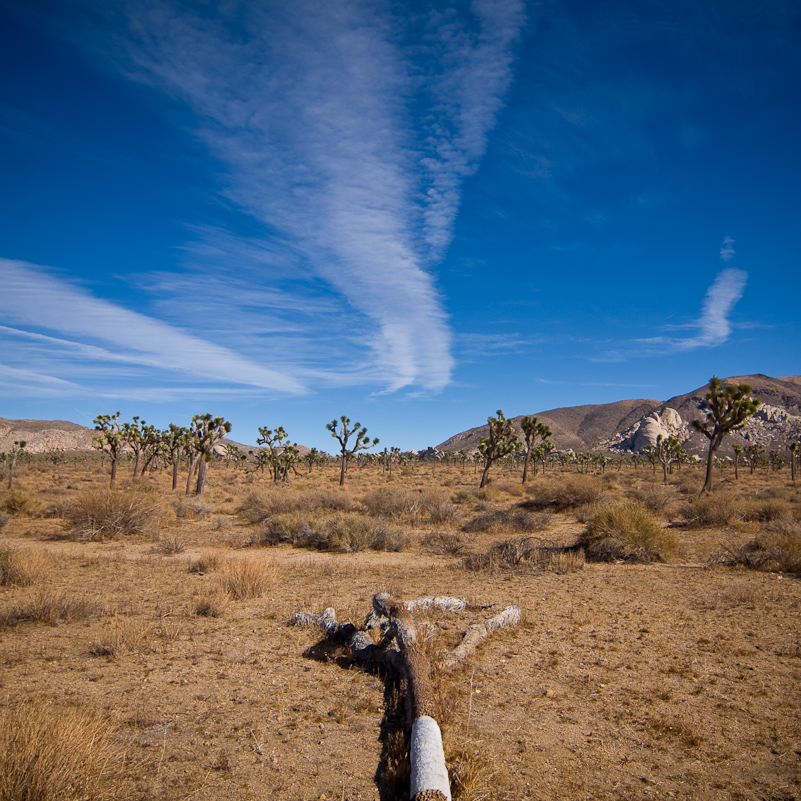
{"x":668,"y":423}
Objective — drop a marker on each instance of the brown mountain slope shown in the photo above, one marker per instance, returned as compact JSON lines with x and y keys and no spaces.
{"x":45,"y":435}
{"x":573,"y":427}
{"x":604,"y":426}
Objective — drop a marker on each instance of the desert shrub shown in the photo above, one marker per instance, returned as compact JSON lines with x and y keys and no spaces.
{"x":349,"y":533}
{"x":191,"y":508}
{"x":566,"y":560}
{"x":54,"y":755}
{"x":245,"y":577}
{"x":444,"y":542}
{"x":766,"y":510}
{"x":4,"y":520}
{"x":770,"y":551}
{"x":51,"y":607}
{"x":260,"y":505}
{"x":714,"y":509}
{"x":439,"y":507}
{"x":169,"y":545}
{"x":563,"y":492}
{"x":344,"y":532}
{"x":19,"y":568}
{"x":532,"y":551}
{"x":212,"y":604}
{"x":104,"y":514}
{"x":510,"y":487}
{"x":654,"y":497}
{"x":626,"y":532}
{"x":516,"y":518}
{"x":393,"y":502}
{"x":390,"y":539}
{"x":205,"y":563}
{"x":17,"y":502}
{"x":464,"y":496}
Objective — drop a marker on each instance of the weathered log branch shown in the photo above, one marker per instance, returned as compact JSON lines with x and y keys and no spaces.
{"x":429,"y":774}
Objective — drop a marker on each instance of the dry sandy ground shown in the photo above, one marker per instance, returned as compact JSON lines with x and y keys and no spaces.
{"x":667,"y":681}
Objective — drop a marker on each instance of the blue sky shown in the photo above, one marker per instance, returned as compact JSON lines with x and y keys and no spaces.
{"x":411,"y":213}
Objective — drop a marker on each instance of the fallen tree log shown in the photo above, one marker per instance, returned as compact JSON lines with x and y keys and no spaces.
{"x":398,"y":651}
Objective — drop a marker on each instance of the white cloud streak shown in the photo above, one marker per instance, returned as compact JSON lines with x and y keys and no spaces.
{"x":350,"y":132}
{"x":713,"y":326}
{"x":31,"y":297}
{"x":727,"y":250}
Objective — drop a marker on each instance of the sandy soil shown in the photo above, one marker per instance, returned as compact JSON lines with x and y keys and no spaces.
{"x":624,"y":681}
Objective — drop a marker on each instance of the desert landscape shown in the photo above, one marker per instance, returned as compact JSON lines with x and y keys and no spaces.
{"x":148,"y":647}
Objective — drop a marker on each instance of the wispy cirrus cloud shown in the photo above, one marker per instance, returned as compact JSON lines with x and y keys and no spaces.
{"x":713,"y":327}
{"x":33,"y":299}
{"x":348,"y":130}
{"x":727,"y":249}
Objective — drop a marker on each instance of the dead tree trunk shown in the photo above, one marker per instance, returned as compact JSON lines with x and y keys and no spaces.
{"x":429,"y":773}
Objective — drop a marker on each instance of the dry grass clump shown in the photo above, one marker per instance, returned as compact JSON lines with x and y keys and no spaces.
{"x":105,"y":514}
{"x":564,"y":492}
{"x":654,"y":497}
{"x":439,"y":507}
{"x":517,"y":519}
{"x":16,"y":502}
{"x":445,"y":542}
{"x":766,"y":510}
{"x":777,"y":551}
{"x":20,"y":568}
{"x":533,"y":551}
{"x":259,"y":505}
{"x":51,"y":607}
{"x":245,"y":577}
{"x":205,"y":563}
{"x":345,"y":532}
{"x":393,"y":502}
{"x":54,"y":755}
{"x":626,"y":532}
{"x":213,"y":604}
{"x":169,"y":545}
{"x":715,"y":509}
{"x":191,"y":509}
{"x":126,"y":634}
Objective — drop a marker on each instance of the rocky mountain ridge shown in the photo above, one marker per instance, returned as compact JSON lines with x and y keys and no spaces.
{"x":632,"y":425}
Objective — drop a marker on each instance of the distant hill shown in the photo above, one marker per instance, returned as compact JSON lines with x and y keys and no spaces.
{"x":41,"y":436}
{"x":633,"y":424}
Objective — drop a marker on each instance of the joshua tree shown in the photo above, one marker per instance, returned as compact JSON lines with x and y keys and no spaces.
{"x":110,"y":440}
{"x":133,"y":434}
{"x":16,"y":450}
{"x":502,"y":441}
{"x":728,"y":409}
{"x":311,"y":458}
{"x":152,"y":446}
{"x":542,"y":453}
{"x":753,"y":455}
{"x":174,"y":441}
{"x":794,"y":448}
{"x":666,"y":452}
{"x":274,"y":440}
{"x":286,"y":458}
{"x":533,"y":431}
{"x":342,"y":435}
{"x":206,"y":431}
{"x":738,"y":452}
